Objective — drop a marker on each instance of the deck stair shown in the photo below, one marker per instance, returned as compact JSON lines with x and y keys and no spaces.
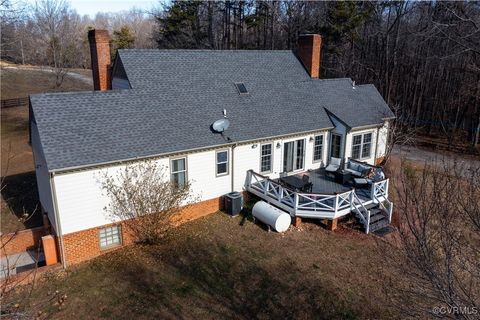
{"x":378,"y":217}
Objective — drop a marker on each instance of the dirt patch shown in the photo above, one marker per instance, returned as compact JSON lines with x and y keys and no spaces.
{"x":215,"y":267}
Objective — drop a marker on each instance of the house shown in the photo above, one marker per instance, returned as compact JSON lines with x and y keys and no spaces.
{"x":161,"y":104}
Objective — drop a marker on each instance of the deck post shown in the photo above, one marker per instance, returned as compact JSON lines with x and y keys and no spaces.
{"x":351,"y":199}
{"x":372,"y":192}
{"x":332,"y":224}
{"x":336,"y":204}
{"x":297,"y":221}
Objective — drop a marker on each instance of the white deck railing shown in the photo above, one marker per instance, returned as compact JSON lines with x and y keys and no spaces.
{"x":379,"y":190}
{"x":309,"y":205}
{"x":315,"y":205}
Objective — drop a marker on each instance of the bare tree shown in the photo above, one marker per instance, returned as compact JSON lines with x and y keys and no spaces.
{"x":142,"y":195}
{"x":436,"y":248}
{"x":400,"y":131}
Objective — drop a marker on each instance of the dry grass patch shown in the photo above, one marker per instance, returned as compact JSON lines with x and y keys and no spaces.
{"x":214,"y":267}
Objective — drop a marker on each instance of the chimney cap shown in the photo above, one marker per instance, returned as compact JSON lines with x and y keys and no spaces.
{"x":309,"y":34}
{"x":98,"y":34}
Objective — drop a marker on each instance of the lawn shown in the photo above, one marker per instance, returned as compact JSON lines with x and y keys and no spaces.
{"x":223,"y":267}
{"x":19,"y":189}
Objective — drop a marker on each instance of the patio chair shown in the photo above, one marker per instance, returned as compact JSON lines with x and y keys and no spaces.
{"x":308,"y":187}
{"x":334,"y":165}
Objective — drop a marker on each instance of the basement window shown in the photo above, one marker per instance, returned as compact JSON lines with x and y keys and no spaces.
{"x":110,"y":237}
{"x":241,"y":88}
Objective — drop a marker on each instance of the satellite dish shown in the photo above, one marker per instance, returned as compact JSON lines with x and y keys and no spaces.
{"x":221,"y":125}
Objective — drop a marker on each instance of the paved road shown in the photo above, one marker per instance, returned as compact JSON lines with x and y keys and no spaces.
{"x":70,"y":74}
{"x":413,"y":153}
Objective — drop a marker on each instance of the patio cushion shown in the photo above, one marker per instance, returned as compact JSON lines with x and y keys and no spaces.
{"x":332,"y":168}
{"x":335,"y":161}
{"x":353,"y":166}
{"x":354,"y":173}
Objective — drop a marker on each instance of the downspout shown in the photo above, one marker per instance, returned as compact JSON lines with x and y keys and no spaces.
{"x":233,"y":168}
{"x":58,"y":227}
{"x":376,"y":146}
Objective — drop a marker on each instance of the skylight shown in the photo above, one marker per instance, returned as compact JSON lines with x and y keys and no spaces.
{"x":241,"y":88}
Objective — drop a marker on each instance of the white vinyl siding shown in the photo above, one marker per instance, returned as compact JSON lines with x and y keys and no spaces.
{"x":318,"y":148}
{"x":84,"y":210}
{"x":222,"y":162}
{"x":42,"y":175}
{"x":266,"y":158}
{"x":362,"y":146}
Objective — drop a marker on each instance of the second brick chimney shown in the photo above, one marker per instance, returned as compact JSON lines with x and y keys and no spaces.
{"x":309,"y":53}
{"x":100,"y":56}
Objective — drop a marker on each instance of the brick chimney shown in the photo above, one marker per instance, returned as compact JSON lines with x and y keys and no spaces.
{"x":100,"y":56}
{"x":309,"y":53}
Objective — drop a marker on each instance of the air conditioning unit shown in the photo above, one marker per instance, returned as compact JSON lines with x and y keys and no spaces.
{"x":233,"y":203}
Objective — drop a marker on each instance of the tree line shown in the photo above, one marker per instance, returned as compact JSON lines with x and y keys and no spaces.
{"x":424,"y":57}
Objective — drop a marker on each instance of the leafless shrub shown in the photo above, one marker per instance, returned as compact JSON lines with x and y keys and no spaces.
{"x":436,"y":247}
{"x":400,"y":131}
{"x":142,"y":194}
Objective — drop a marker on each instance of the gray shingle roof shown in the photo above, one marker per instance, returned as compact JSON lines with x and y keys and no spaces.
{"x":177,"y":95}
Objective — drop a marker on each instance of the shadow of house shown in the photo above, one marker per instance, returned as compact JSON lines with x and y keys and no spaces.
{"x":20,"y":193}
{"x":221,"y":280}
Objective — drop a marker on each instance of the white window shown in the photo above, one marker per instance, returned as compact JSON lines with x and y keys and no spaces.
{"x":318,"y":148}
{"x":110,"y":237}
{"x":361,"y":146}
{"x":222,"y":163}
{"x":179,"y":172}
{"x":266,"y":158}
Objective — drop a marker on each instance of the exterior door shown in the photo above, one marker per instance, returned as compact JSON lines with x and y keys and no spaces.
{"x":336,"y":145}
{"x":293,"y":155}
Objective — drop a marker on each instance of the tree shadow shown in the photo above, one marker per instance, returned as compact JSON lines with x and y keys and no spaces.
{"x":221,"y":280}
{"x":20,"y":193}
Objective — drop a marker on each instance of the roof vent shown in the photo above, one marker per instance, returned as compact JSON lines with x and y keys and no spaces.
{"x":353,"y":84}
{"x":241,"y":88}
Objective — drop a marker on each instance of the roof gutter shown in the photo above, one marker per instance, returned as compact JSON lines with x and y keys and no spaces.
{"x":370,"y":126}
{"x":106,"y":163}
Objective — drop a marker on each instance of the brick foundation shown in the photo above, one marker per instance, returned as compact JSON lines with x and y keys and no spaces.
{"x":84,"y":245}
{"x":22,"y":241}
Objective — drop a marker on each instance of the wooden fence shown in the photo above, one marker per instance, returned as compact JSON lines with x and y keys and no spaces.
{"x":18,"y":102}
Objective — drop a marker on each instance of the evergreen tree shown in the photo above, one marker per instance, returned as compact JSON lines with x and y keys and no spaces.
{"x":180,"y":28}
{"x":121,"y":39}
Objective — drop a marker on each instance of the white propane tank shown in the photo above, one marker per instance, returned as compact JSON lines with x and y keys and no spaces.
{"x":271,"y":216}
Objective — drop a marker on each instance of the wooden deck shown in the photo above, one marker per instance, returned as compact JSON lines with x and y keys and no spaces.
{"x":327,"y":185}
{"x":327,"y":200}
